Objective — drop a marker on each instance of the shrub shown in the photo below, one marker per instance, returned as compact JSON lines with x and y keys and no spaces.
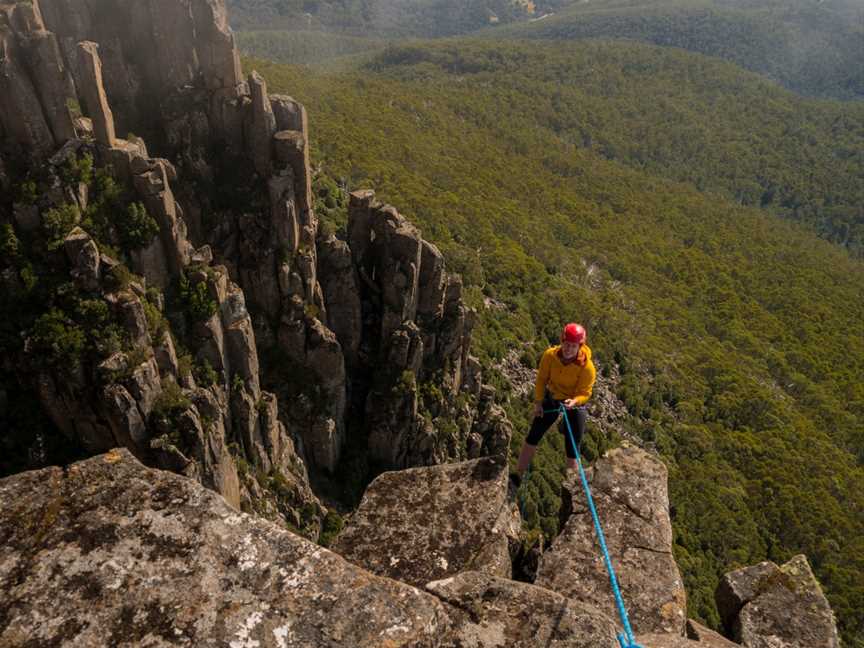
{"x":118,"y":278}
{"x":136,"y":228}
{"x":197,"y":303}
{"x":57,"y":223}
{"x":205,"y":374}
{"x":27,"y":192}
{"x":92,"y":313}
{"x":156,"y":323}
{"x":76,"y":170}
{"x":10,"y":247}
{"x":170,"y":403}
{"x":185,"y":365}
{"x":58,"y":340}
{"x":74,"y":107}
{"x":330,"y":528}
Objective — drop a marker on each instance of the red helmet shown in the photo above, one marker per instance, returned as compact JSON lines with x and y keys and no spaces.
{"x":574,"y":333}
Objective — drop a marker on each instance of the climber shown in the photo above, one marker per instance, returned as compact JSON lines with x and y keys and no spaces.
{"x":566,"y":375}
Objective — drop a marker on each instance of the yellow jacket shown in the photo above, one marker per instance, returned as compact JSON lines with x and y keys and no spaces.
{"x":572,"y":380}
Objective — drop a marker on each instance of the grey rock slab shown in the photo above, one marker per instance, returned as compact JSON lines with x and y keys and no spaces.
{"x":700,"y":633}
{"x":677,"y":641}
{"x":630,"y":493}
{"x":109,"y":552}
{"x":783,"y":607}
{"x":740,"y":586}
{"x":501,"y":613}
{"x":424,"y":524}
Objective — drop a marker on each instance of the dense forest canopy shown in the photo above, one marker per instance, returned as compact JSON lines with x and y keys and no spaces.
{"x":560,"y":193}
{"x":723,"y":131}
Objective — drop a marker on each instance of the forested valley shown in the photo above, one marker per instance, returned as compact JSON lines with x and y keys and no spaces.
{"x":703,"y":223}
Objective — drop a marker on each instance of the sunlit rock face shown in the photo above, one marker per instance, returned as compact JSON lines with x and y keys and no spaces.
{"x":629,"y":487}
{"x":499,"y":612}
{"x":778,"y":607}
{"x":109,"y":552}
{"x":424,"y":524}
{"x":311,"y":341}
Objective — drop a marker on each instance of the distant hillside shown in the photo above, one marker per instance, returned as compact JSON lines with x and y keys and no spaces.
{"x":563,"y":182}
{"x":814,"y":48}
{"x":390,"y":18}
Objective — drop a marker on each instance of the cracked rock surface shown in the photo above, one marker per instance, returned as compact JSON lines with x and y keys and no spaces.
{"x":629,"y":487}
{"x":499,"y":612}
{"x":113,"y":553}
{"x":424,"y":524}
{"x":766,"y":606}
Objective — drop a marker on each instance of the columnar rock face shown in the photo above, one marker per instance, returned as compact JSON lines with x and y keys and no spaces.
{"x":413,"y":327}
{"x":111,"y":553}
{"x":630,"y":493}
{"x":778,"y":607}
{"x":500,"y":612}
{"x":367,"y":336}
{"x":424,"y":524}
{"x":93,"y":90}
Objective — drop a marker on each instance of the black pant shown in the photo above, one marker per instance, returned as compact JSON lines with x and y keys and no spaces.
{"x":577,"y":417}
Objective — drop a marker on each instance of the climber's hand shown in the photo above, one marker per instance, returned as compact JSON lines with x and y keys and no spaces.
{"x":570,"y":403}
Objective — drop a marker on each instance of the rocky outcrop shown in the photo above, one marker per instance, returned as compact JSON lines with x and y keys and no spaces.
{"x":434,"y":522}
{"x":676,"y":641}
{"x":366,"y":336}
{"x":697,"y":632}
{"x":779,"y":607}
{"x":697,"y":635}
{"x":111,"y":553}
{"x":415,"y":329}
{"x":630,"y":494}
{"x":93,"y":91}
{"x":498,"y":612}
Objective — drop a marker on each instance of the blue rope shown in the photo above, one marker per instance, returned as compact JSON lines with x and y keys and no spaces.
{"x":619,"y":601}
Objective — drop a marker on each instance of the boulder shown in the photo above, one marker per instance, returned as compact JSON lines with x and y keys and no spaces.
{"x":131,"y":312}
{"x":766,"y":606}
{"x":500,"y":612}
{"x":125,"y":419}
{"x":739,"y":587}
{"x":700,"y":633}
{"x":109,"y":552}
{"x":630,"y":493}
{"x":83,"y":256}
{"x":677,"y":641}
{"x":425,"y":524}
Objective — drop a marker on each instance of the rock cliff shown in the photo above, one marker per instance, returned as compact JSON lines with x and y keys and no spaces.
{"x":363,"y":338}
{"x":109,"y":552}
{"x":629,"y":488}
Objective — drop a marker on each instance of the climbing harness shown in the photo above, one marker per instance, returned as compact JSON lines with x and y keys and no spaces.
{"x":628,"y":641}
